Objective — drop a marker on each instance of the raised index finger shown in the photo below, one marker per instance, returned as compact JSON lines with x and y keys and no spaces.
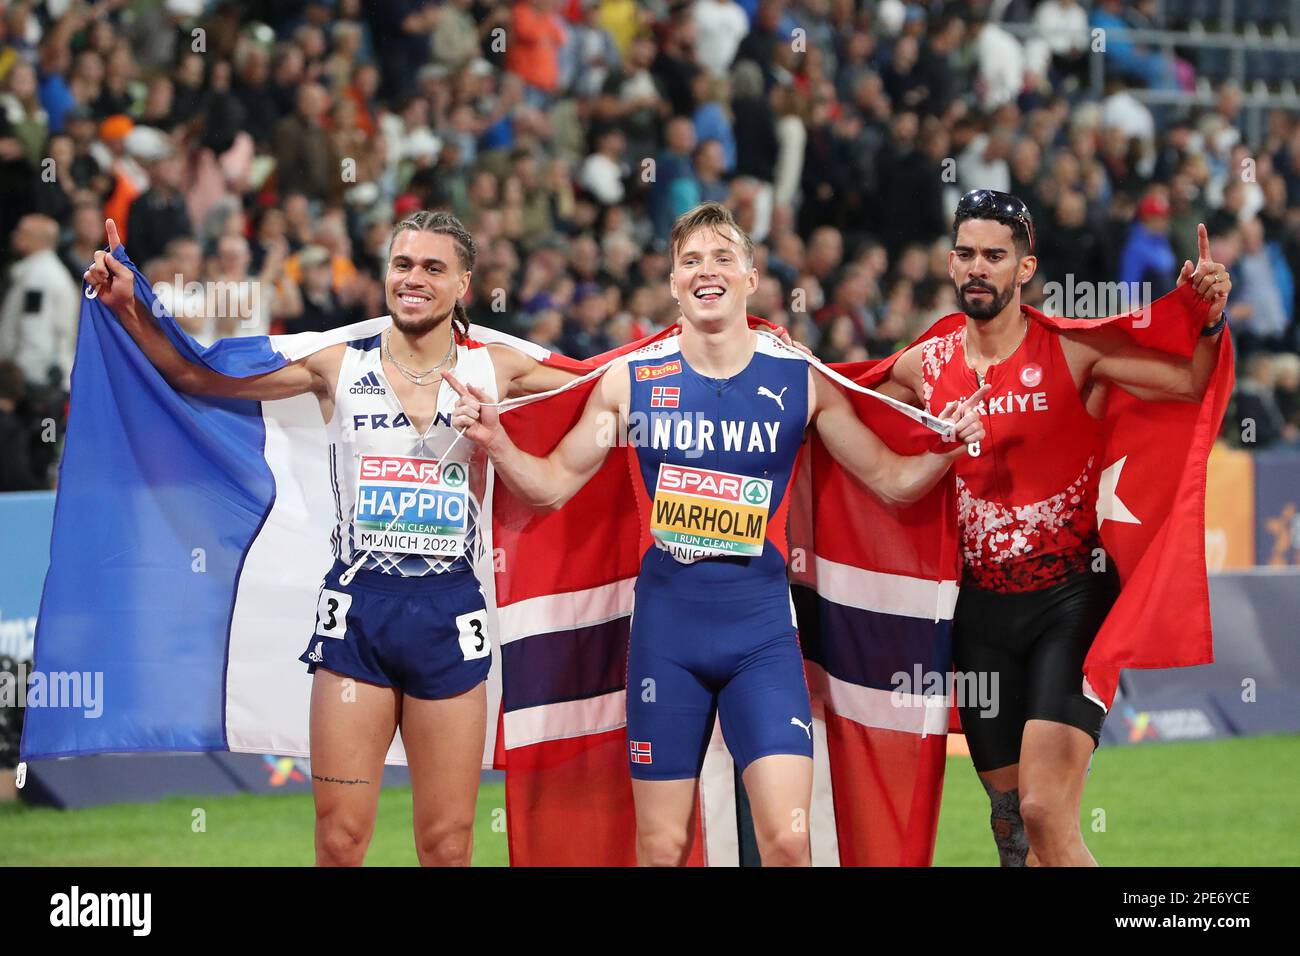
{"x":1203,"y":241}
{"x":973,"y":400}
{"x":113,"y":241}
{"x":456,"y":386}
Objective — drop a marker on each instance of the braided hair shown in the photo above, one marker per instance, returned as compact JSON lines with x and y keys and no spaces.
{"x":437,"y":221}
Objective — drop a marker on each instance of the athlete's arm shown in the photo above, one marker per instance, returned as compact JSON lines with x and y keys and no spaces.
{"x":115,"y":285}
{"x":896,"y":479}
{"x":546,"y":482}
{"x":904,"y":379}
{"x":520,"y":374}
{"x":1107,"y":354}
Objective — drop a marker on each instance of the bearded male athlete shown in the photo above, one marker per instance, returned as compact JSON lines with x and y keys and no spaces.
{"x":1030,"y":605}
{"x":401,"y":623}
{"x":721,"y":412}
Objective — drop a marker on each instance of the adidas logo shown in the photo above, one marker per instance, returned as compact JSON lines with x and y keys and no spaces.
{"x":367,"y":385}
{"x":317,"y":655}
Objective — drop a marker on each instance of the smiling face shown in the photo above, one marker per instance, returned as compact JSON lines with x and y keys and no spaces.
{"x":711,"y":278}
{"x":985,"y":268}
{"x":424,"y":280}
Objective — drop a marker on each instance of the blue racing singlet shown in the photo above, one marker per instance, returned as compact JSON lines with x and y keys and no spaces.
{"x":715,"y":458}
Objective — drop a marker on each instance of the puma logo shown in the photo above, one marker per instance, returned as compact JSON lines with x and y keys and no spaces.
{"x":767,"y":393}
{"x":807,"y":728}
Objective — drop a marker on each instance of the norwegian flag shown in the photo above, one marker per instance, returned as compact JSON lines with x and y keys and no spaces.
{"x":641,"y":751}
{"x":665,"y":396}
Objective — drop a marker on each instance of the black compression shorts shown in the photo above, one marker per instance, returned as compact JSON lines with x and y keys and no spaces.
{"x":1035,"y":642}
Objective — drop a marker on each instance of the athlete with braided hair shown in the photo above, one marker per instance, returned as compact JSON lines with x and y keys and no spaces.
{"x":400,"y":638}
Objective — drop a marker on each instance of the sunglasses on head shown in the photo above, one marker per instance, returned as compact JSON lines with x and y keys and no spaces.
{"x":998,"y":206}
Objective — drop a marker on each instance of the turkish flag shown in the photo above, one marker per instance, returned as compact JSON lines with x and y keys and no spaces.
{"x":1151,"y":494}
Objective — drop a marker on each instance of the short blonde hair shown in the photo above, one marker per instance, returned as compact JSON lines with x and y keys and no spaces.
{"x":709,"y":215}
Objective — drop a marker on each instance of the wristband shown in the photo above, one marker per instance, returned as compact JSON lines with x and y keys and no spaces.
{"x":1217,"y":327}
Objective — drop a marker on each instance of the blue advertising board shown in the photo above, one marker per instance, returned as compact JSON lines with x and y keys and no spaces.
{"x":27,"y":518}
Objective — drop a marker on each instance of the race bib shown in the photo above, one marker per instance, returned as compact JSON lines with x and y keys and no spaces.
{"x":411,"y":506}
{"x":699,"y":513}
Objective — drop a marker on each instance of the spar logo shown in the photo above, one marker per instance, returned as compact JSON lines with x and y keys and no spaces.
{"x":756,"y":492}
{"x":717,"y":485}
{"x":648,"y":373}
{"x":453,"y":474}
{"x":416,"y":471}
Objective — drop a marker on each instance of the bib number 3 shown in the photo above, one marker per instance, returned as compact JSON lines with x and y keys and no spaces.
{"x":473,"y":636}
{"x":332,"y":613}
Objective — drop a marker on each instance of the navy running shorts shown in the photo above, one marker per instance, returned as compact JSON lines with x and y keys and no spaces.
{"x":426,"y":636}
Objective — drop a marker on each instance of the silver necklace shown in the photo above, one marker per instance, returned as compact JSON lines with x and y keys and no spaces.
{"x":410,"y":374}
{"x":980,"y":377}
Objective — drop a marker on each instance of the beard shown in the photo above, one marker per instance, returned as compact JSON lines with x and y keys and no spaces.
{"x":420,"y":326}
{"x":984,"y":309}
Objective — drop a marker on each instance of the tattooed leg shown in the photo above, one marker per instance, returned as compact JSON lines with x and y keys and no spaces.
{"x":1008,"y":827}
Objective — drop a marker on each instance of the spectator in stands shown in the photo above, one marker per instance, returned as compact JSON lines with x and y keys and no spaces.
{"x":1286,"y":367}
{"x":38,"y":316}
{"x":765,"y":38}
{"x":630,"y":99}
{"x":1148,"y":257}
{"x":1255,"y":404}
{"x":590,"y":54}
{"x":754,"y":124}
{"x":1261,"y":313}
{"x":159,"y":215}
{"x":533,"y":53}
{"x":603,"y":172}
{"x":585,"y":335}
{"x":1069,"y":248}
{"x":303,"y":153}
{"x":21,"y":104}
{"x":321,"y":308}
{"x":1063,"y":26}
{"x":17,"y":472}
{"x":56,"y":94}
{"x":252,"y":88}
{"x":1001,"y":74}
{"x":720,"y":25}
{"x":675,"y":66}
{"x":455,"y":38}
{"x":1133,"y":60}
{"x":674,"y":178}
{"x":713,"y":118}
{"x":710,"y":163}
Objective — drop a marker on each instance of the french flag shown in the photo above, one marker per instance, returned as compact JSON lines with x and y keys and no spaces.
{"x":190,"y":538}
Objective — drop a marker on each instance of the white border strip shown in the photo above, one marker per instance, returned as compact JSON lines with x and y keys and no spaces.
{"x":563,"y":612}
{"x":883,"y":709}
{"x":570,"y":718}
{"x":296,"y":345}
{"x":887,"y":593}
{"x":916,"y":414}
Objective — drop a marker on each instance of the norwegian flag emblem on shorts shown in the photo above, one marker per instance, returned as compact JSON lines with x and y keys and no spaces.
{"x":665,"y":396}
{"x":640,"y":750}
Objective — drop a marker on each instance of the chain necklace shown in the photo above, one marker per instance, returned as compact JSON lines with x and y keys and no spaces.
{"x":980,"y":377}
{"x":410,"y":374}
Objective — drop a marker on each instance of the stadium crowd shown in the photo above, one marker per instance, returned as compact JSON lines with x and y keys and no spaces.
{"x":256,"y":155}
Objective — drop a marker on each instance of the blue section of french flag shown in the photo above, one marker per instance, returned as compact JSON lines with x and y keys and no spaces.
{"x":160,"y":497}
{"x":190,"y":538}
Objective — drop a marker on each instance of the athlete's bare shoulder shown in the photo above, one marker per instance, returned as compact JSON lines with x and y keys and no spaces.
{"x":324,"y":366}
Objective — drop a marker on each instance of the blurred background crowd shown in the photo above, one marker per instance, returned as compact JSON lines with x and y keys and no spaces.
{"x":255,"y":156}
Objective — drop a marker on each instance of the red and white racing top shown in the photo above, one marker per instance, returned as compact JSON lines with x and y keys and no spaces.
{"x":1027,"y":504}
